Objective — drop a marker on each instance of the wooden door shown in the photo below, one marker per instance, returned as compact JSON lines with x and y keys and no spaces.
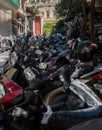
{"x":37,"y":25}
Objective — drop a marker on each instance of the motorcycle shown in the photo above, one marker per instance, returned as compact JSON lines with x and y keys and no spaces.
{"x":4,"y":58}
{"x":17,"y":70}
{"x":83,"y":50}
{"x":61,"y":108}
{"x":6,"y":123}
{"x":90,"y":75}
{"x":9,"y":92}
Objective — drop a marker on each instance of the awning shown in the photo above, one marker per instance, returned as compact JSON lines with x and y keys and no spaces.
{"x":16,"y":2}
{"x":9,"y":4}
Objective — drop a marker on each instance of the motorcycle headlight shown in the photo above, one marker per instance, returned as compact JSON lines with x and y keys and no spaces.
{"x":29,"y":75}
{"x":42,"y":66}
{"x":2,"y":91}
{"x":13,"y":58}
{"x":100,"y":37}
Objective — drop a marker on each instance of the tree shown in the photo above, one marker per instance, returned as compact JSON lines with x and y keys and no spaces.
{"x":85,"y":12}
{"x":48,"y":28}
{"x":67,"y":8}
{"x":31,"y":9}
{"x":91,"y":20}
{"x":32,"y":1}
{"x":91,"y":28}
{"x":61,"y":27}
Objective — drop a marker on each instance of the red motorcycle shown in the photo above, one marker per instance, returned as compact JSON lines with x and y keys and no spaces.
{"x":10,"y":92}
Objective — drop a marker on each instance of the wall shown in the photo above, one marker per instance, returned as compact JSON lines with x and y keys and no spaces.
{"x":5,"y":22}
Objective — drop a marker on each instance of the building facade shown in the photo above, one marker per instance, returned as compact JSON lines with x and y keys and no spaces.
{"x":6,"y":8}
{"x":12,"y":17}
{"x":20,"y":17}
{"x":48,"y":10}
{"x":45,"y":14}
{"x":29,"y":16}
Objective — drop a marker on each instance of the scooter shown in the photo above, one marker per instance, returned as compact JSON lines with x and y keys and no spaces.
{"x":6,"y":123}
{"x":4,"y":58}
{"x":9,"y":92}
{"x":70,"y":104}
{"x":90,"y":75}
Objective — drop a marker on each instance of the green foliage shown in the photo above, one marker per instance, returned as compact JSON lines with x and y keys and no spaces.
{"x":48,"y":28}
{"x":32,"y":1}
{"x":68,"y":8}
{"x":61,"y":8}
{"x":61,"y":27}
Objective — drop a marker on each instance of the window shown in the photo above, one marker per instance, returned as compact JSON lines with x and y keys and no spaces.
{"x":47,"y":13}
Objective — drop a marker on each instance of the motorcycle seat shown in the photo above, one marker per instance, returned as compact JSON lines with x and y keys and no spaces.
{"x":86,"y":69}
{"x":95,"y":70}
{"x":84,"y":42}
{"x":36,"y":84}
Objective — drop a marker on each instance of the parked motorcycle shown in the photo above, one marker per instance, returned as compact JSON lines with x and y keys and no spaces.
{"x":61,"y":108}
{"x":60,"y":103}
{"x":90,"y":75}
{"x":9,"y":92}
{"x":6,"y":123}
{"x":4,"y":58}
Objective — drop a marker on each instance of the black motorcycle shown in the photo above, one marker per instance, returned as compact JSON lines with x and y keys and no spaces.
{"x":60,"y":108}
{"x":6,"y":122}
